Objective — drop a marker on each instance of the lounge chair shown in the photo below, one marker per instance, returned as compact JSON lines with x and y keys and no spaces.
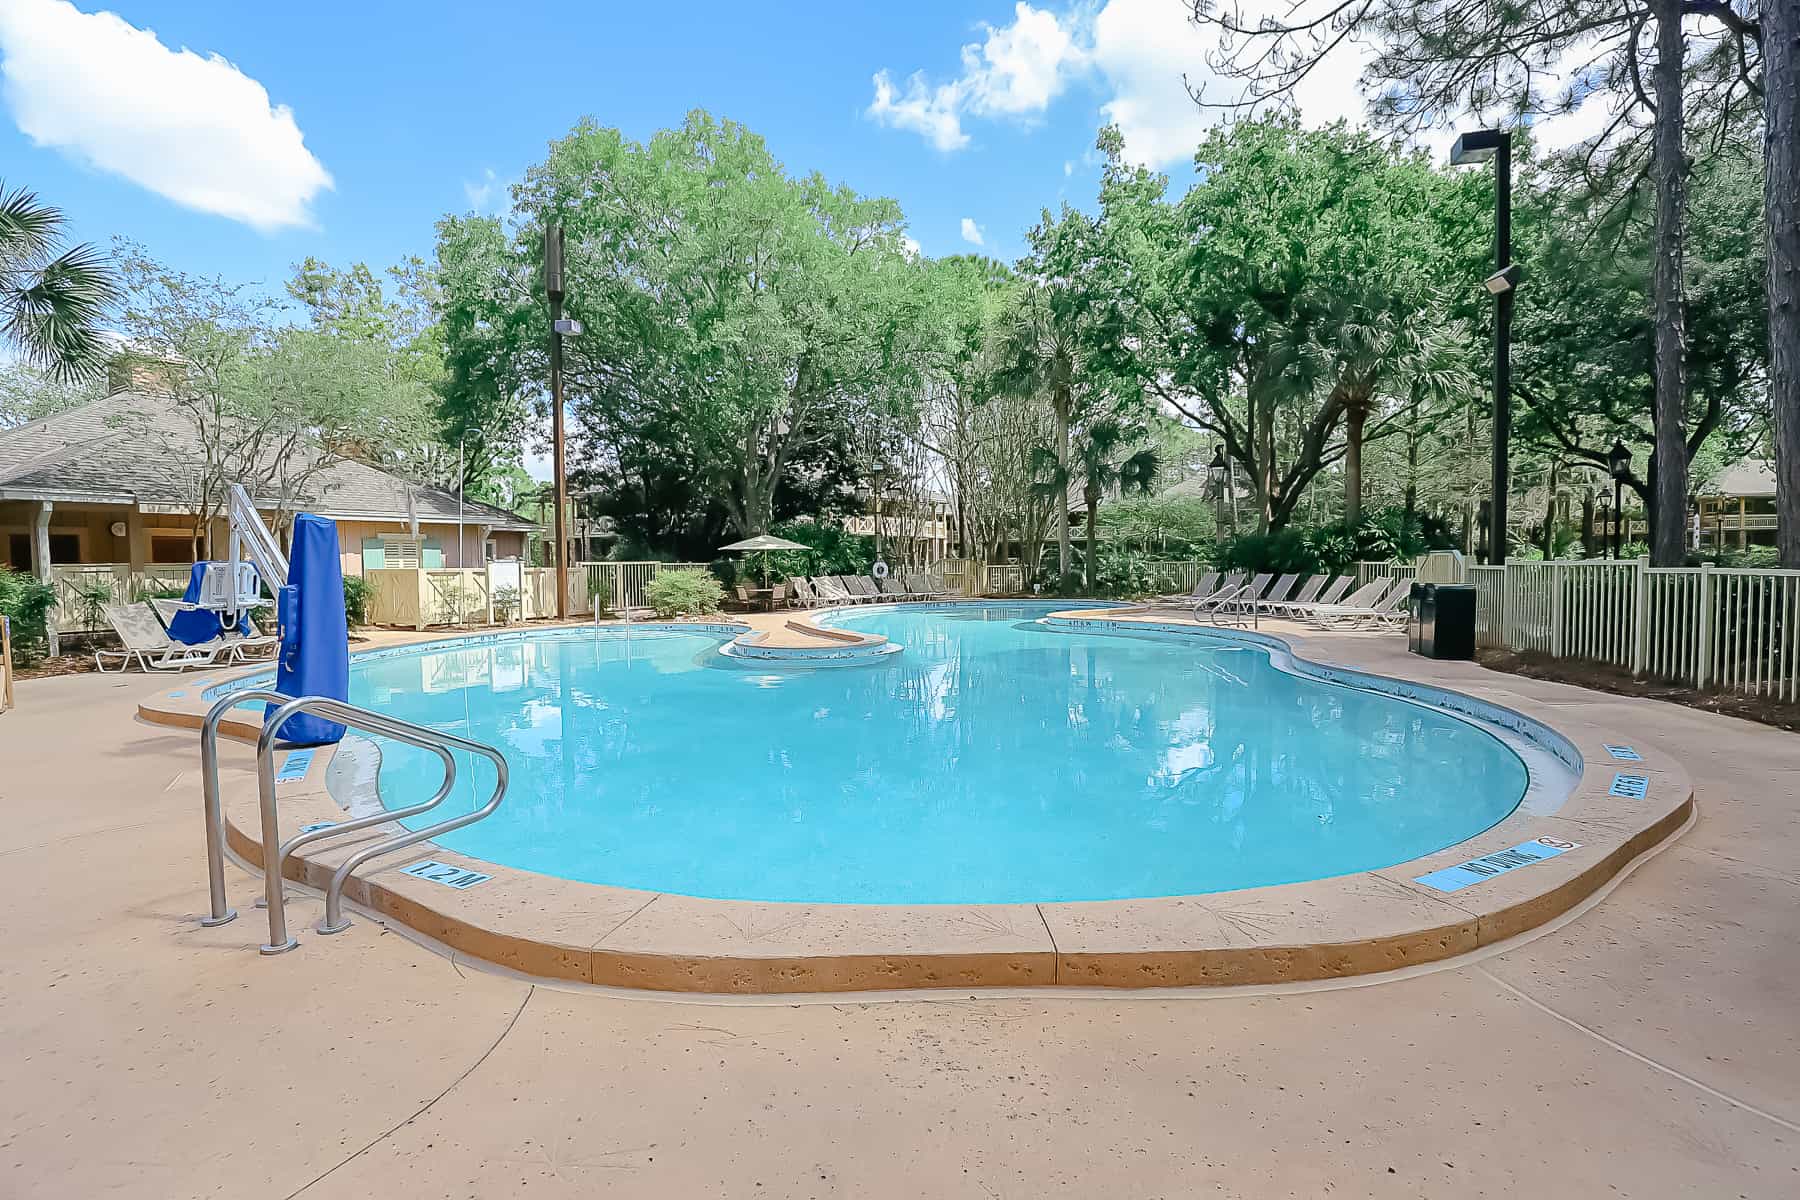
{"x":919,"y":587}
{"x":1228,"y":587}
{"x":830,"y":591}
{"x":143,"y":637}
{"x":235,"y":646}
{"x":1390,"y":610}
{"x":1308,"y":593}
{"x":860,"y":587}
{"x":804,"y":594}
{"x":1207,"y":585}
{"x":1367,"y":603}
{"x":891,"y":588}
{"x":1276,"y":594}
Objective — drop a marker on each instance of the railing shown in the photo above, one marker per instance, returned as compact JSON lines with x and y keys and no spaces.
{"x":275,"y":852}
{"x":1174,"y":576}
{"x":1725,"y":629}
{"x":1368,"y":572}
{"x":618,"y":586}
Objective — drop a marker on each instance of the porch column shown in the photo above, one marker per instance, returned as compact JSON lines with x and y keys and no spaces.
{"x":1743,"y":520}
{"x":137,"y":541}
{"x":40,"y":559}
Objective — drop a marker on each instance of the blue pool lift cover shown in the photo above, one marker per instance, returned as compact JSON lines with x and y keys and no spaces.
{"x":315,"y":641}
{"x":197,"y":626}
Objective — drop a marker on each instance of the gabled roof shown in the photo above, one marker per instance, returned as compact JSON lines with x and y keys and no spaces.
{"x":1750,"y":479}
{"x":133,"y":448}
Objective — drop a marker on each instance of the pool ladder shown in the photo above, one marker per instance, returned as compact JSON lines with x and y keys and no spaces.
{"x":275,"y":852}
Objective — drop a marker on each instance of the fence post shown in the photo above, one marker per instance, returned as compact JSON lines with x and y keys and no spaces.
{"x":1558,"y":610}
{"x":1703,"y":628}
{"x":1640,"y":615}
{"x":487,"y":580}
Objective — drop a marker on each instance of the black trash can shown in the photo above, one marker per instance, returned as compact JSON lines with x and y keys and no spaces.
{"x":1441,"y":621}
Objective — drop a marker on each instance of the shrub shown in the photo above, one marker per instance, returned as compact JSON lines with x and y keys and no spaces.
{"x":833,"y":552}
{"x":357,"y":594}
{"x":26,"y":603}
{"x":1278,"y":551}
{"x":685,"y":593}
{"x":506,"y":604}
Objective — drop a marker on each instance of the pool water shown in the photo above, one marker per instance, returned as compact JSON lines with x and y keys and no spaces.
{"x":994,"y":760}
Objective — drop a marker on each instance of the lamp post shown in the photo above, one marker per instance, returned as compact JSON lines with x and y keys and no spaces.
{"x":1605,"y":506}
{"x":1216,"y":471}
{"x":1618,"y":464}
{"x":1477,"y":146}
{"x":559,"y":327}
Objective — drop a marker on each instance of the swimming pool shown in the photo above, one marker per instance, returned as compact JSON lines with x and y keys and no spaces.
{"x":995,"y":760}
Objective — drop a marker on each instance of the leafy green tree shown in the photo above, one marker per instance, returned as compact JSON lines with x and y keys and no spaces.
{"x":1680,"y":75}
{"x":1109,"y":456}
{"x":747,"y":319}
{"x":53,"y":301}
{"x":1291,"y":304}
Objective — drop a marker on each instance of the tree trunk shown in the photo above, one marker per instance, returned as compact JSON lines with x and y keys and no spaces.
{"x":1356,"y":415}
{"x":1087,"y":557}
{"x":1781,"y":215}
{"x":1550,"y":517}
{"x":1410,"y":502}
{"x":1669,"y":165}
{"x":1062,"y":500}
{"x":1587,"y":523}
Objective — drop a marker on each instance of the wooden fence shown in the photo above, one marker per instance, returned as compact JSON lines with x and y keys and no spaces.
{"x":83,"y":589}
{"x":1706,"y":627}
{"x":417,"y":598}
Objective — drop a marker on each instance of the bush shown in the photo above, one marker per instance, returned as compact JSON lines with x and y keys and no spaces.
{"x":506,"y":604}
{"x":833,"y":552}
{"x":1279,"y":551}
{"x":357,"y":594}
{"x":686,"y":593}
{"x":26,"y":603}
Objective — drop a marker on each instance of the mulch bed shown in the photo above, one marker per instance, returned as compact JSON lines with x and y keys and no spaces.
{"x":1621,"y":682}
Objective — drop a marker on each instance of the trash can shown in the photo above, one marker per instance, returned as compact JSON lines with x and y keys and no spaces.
{"x":1441,"y":621}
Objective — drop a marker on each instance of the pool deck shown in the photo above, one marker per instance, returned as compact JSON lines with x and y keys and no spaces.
{"x":1645,"y":1047}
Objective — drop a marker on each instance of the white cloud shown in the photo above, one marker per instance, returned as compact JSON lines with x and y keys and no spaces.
{"x":971,"y":232}
{"x":911,"y":246}
{"x":483,"y":194}
{"x":193,"y":129}
{"x":1143,"y":54}
{"x":923,"y":109}
{"x":1015,"y":71}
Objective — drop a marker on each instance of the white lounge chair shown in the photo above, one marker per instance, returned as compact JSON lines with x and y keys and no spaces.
{"x":143,"y":637}
{"x":238,"y":647}
{"x":1308,"y":593}
{"x":1276,"y":594}
{"x":1367,"y":605}
{"x":1227,"y":588}
{"x":1245,"y":597}
{"x":1207,"y":585}
{"x":831,"y":589}
{"x":919,"y":588}
{"x":804,"y":593}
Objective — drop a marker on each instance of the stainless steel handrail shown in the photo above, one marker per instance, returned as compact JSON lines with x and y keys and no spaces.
{"x":274,"y":852}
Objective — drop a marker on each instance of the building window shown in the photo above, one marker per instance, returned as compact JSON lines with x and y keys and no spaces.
{"x":65,"y":547}
{"x":171,"y":548}
{"x":18,"y":551}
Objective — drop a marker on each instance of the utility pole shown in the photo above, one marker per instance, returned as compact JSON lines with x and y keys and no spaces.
{"x":553,"y":288}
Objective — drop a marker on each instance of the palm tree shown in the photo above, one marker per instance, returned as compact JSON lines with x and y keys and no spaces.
{"x":1101,"y":465}
{"x":51,"y":304}
{"x":1038,"y":352}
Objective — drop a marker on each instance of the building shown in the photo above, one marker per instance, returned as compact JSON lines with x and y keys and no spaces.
{"x":115,"y":482}
{"x":1738,"y":508}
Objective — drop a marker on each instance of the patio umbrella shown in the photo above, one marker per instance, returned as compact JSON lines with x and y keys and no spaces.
{"x":764,"y":544}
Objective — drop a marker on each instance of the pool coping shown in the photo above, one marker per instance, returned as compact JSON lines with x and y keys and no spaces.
{"x":1363,"y":923}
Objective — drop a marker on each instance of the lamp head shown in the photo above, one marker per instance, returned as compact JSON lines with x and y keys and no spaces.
{"x":1618,"y":460}
{"x":1479,"y":146}
{"x":1504,"y":280}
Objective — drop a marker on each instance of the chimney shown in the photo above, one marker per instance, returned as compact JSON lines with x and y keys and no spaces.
{"x":143,"y":372}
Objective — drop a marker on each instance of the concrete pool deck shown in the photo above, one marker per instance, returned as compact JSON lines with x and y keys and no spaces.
{"x":1648,"y":1047}
{"x":1385,"y":919}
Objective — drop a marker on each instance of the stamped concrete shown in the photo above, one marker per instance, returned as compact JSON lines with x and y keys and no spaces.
{"x":1646,"y":1048}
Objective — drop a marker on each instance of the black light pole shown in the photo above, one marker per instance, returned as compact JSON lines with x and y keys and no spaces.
{"x":1216,"y":471}
{"x":1618,"y":463}
{"x":1476,"y":146}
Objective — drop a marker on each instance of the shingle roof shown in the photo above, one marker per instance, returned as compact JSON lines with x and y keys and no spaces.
{"x":134,"y":448}
{"x":1749,"y":478}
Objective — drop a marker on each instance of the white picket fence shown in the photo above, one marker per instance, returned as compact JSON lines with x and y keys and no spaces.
{"x":1707,"y":627}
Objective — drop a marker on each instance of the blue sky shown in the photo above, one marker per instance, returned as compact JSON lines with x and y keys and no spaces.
{"x":236,"y":138}
{"x":412,"y":109}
